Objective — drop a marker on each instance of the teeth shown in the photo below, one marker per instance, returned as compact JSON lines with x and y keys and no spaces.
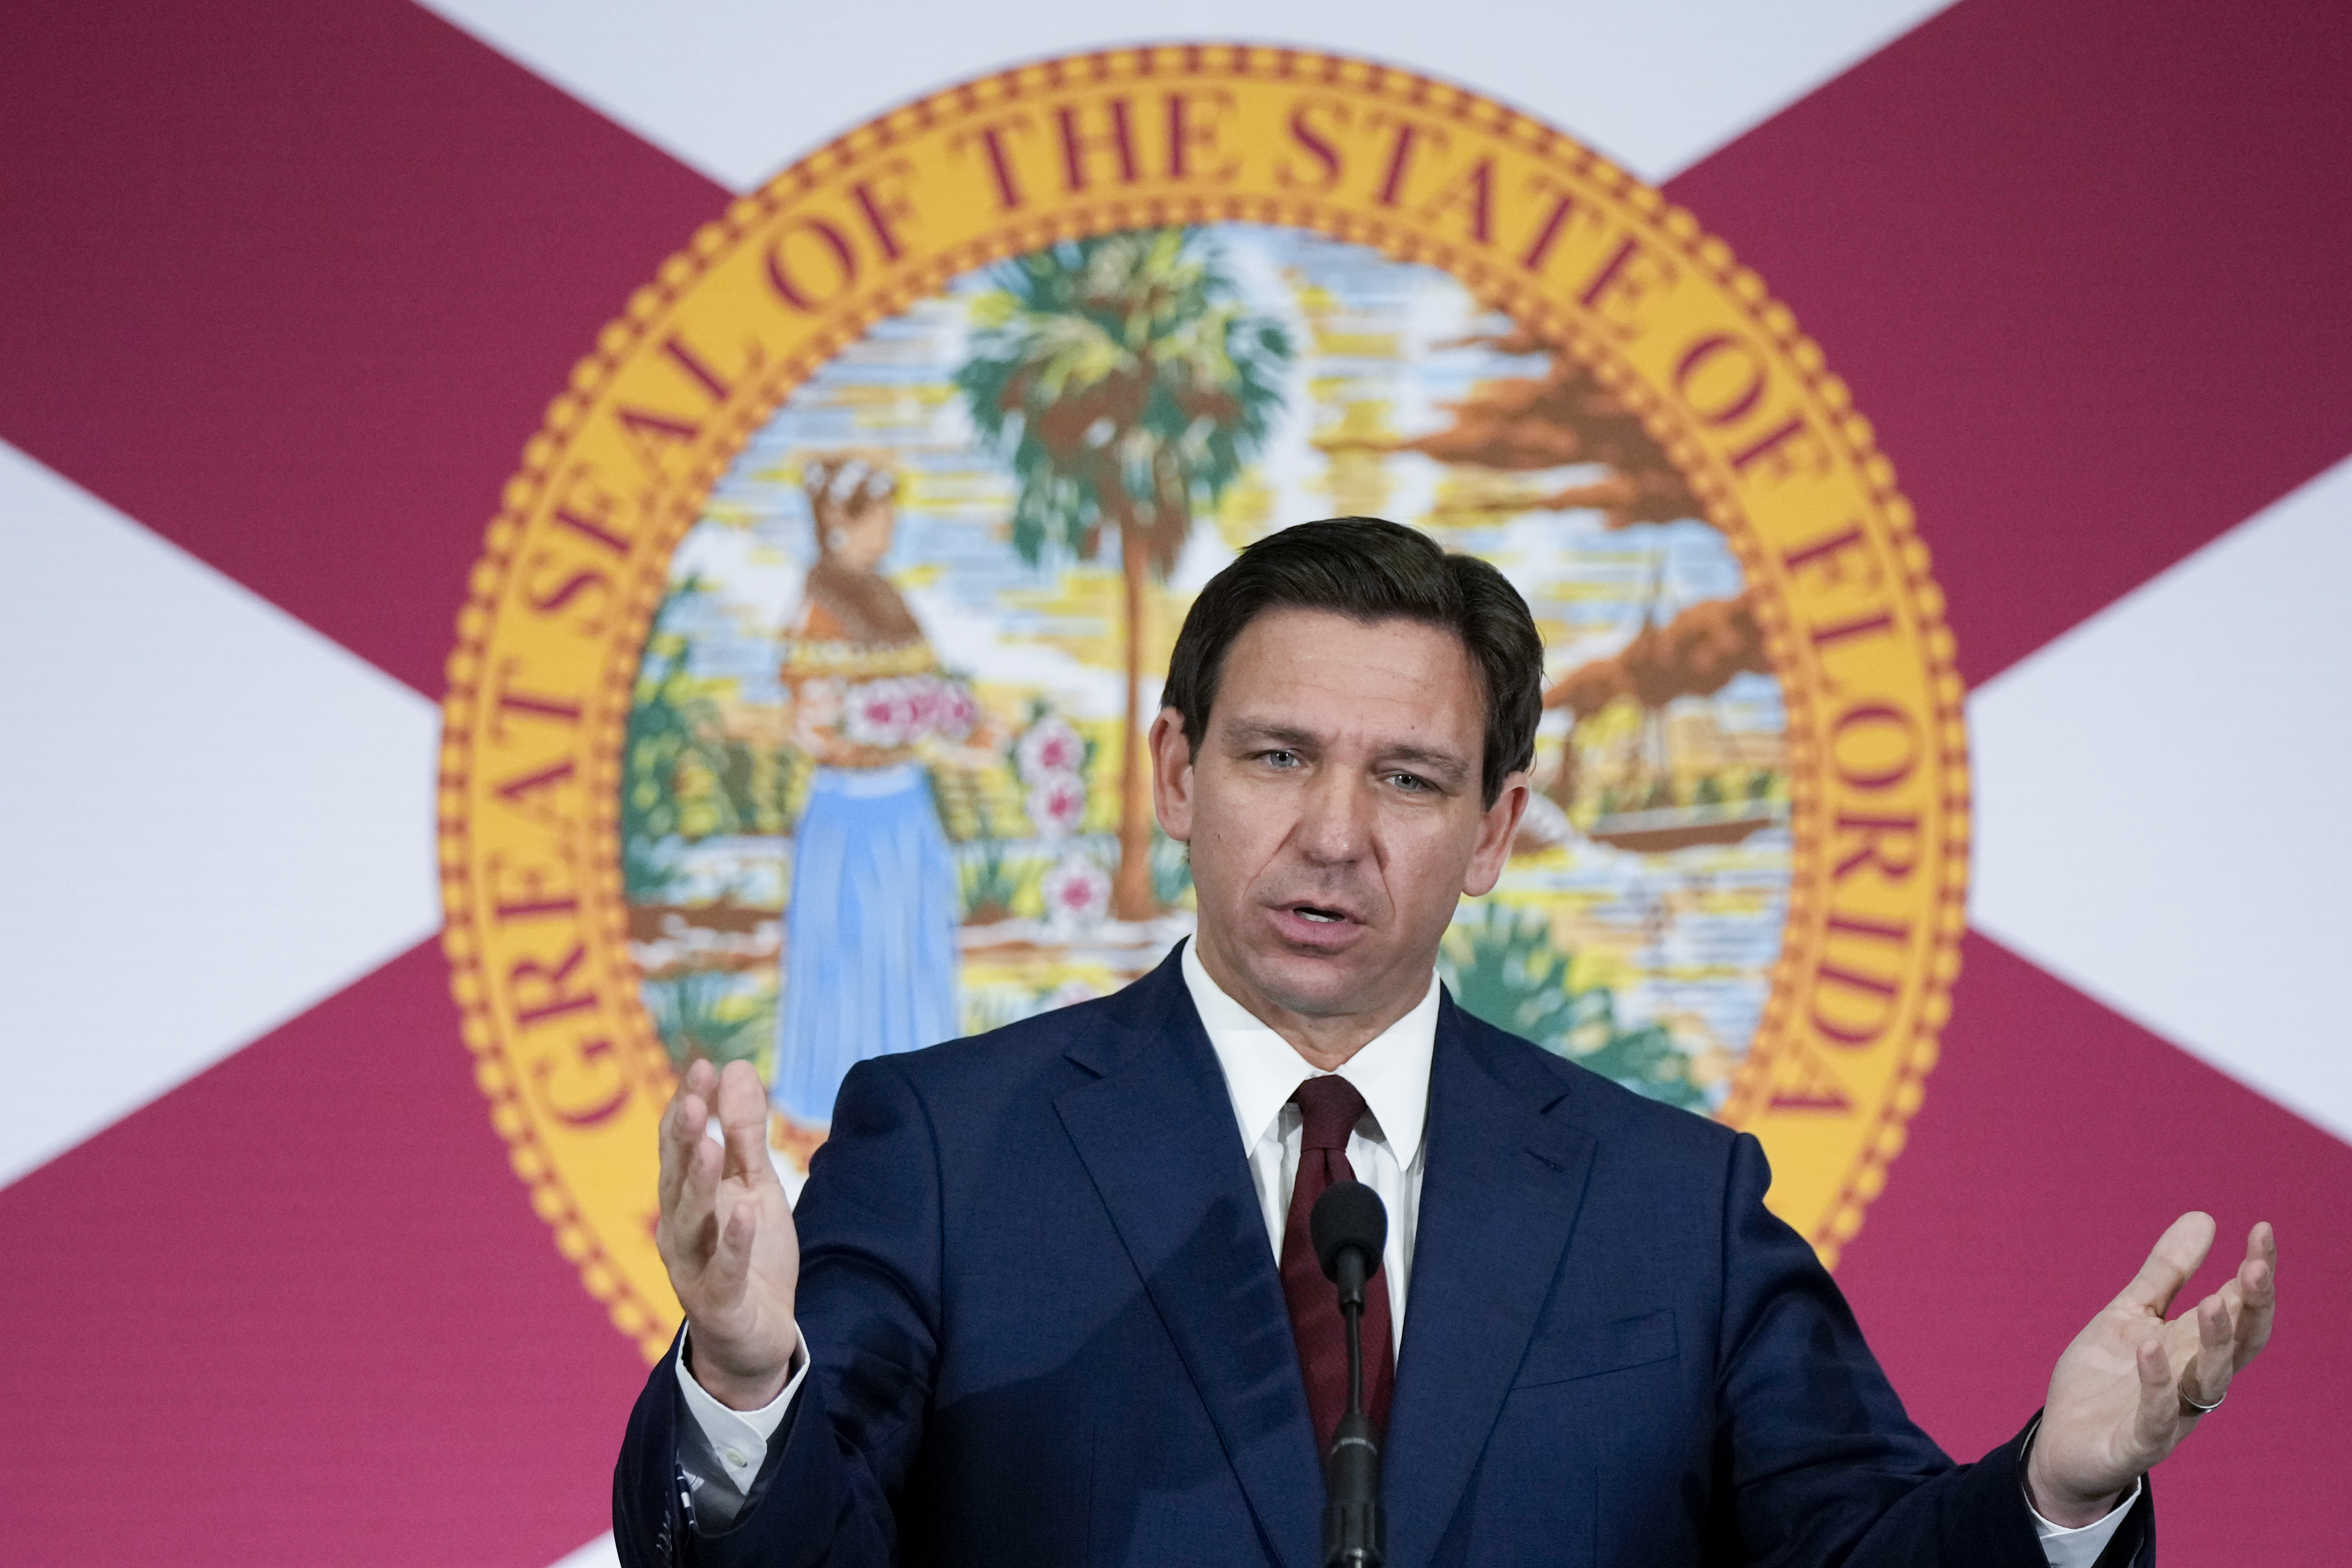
{"x":1318,"y":915}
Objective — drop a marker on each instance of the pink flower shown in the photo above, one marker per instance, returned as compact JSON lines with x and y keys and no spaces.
{"x":1049,"y":746}
{"x":900,"y":711}
{"x":958,"y":711}
{"x":1057,"y":804}
{"x":1076,"y":890}
{"x":881,"y":713}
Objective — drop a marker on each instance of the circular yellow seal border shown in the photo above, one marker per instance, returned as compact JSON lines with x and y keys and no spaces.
{"x":1577,"y":251}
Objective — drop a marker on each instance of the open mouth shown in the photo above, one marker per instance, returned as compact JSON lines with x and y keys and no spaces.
{"x":1318,"y":915}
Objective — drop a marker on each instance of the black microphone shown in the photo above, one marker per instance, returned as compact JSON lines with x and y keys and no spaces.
{"x":1350,"y":1227}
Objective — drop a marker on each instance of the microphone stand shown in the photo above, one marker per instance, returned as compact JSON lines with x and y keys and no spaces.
{"x":1354,"y":1530}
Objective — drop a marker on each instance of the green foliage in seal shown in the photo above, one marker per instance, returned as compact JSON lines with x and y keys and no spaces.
{"x":1127,"y":385}
{"x":708,"y":1015}
{"x":682,"y":778}
{"x":1501,"y":966}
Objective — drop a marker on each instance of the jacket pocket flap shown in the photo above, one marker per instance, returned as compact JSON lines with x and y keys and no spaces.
{"x":1586,"y":1350}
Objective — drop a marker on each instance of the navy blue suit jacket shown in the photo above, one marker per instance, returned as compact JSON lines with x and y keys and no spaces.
{"x":1047,"y":1328}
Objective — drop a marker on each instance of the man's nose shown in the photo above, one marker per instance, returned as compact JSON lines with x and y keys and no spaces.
{"x":1334,"y":819}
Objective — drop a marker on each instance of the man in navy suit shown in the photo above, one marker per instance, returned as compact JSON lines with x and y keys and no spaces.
{"x":1045,"y":1298}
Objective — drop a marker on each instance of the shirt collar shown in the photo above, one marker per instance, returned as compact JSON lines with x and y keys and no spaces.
{"x":1262,"y":1069}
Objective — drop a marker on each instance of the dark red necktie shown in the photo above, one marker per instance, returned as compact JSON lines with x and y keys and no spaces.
{"x":1332,"y":1108}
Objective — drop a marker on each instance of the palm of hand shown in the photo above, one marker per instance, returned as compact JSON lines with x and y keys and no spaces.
{"x":2120,"y":1399}
{"x":753,"y":1304}
{"x":726,"y":1235}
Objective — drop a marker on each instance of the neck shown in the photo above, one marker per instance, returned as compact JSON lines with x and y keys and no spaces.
{"x":1326,"y":1041}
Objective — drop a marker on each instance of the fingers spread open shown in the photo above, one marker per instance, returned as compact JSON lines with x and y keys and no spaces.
{"x":2175,"y":1258}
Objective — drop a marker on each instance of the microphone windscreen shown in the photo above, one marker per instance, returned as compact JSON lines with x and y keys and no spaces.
{"x":1348,"y":1213}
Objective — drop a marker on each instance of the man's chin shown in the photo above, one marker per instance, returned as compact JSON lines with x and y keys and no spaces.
{"x":1317,"y":986}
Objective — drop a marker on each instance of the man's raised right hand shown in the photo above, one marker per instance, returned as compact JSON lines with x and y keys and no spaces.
{"x":726,"y":1235}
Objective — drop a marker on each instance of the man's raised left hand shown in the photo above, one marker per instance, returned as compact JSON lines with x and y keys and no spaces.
{"x":2130,"y":1386}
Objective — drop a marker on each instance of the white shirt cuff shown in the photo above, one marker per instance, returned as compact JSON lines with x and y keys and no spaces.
{"x":740,"y":1437}
{"x":2076,"y":1548}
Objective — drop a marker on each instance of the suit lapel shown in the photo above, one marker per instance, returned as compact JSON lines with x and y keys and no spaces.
{"x":1156,"y":1133}
{"x":1500,"y":1197}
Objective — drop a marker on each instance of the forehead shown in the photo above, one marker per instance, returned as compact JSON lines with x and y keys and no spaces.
{"x":1327,"y":671}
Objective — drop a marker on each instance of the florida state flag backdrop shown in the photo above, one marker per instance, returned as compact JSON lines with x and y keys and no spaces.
{"x":542,"y":541}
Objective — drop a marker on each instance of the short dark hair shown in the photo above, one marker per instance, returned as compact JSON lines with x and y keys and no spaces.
{"x":1369,"y":569}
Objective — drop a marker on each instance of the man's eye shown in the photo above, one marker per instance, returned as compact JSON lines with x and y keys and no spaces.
{"x":1281,"y":759}
{"x":1409,"y":783}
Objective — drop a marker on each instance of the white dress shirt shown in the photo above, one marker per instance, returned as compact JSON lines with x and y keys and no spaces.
{"x":1386,"y":1150}
{"x":1389,"y":1152}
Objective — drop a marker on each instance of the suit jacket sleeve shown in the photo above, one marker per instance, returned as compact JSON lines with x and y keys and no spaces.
{"x":1822,"y":1463}
{"x":868,"y":1305}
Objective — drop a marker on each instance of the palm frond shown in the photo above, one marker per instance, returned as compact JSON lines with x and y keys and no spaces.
{"x":1124,"y":380}
{"x":1502,"y":966}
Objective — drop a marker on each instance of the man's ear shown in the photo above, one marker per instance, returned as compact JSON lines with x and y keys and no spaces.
{"x":1172,"y":775}
{"x":1495,"y":830}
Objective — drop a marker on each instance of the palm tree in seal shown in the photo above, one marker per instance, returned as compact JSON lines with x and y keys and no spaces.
{"x":1127,"y":383}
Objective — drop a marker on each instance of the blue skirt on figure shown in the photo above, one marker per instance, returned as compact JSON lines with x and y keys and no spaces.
{"x":869,"y":935}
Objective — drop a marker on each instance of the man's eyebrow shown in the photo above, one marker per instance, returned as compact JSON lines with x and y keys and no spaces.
{"x":1266,"y":732}
{"x":1444,"y":765}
